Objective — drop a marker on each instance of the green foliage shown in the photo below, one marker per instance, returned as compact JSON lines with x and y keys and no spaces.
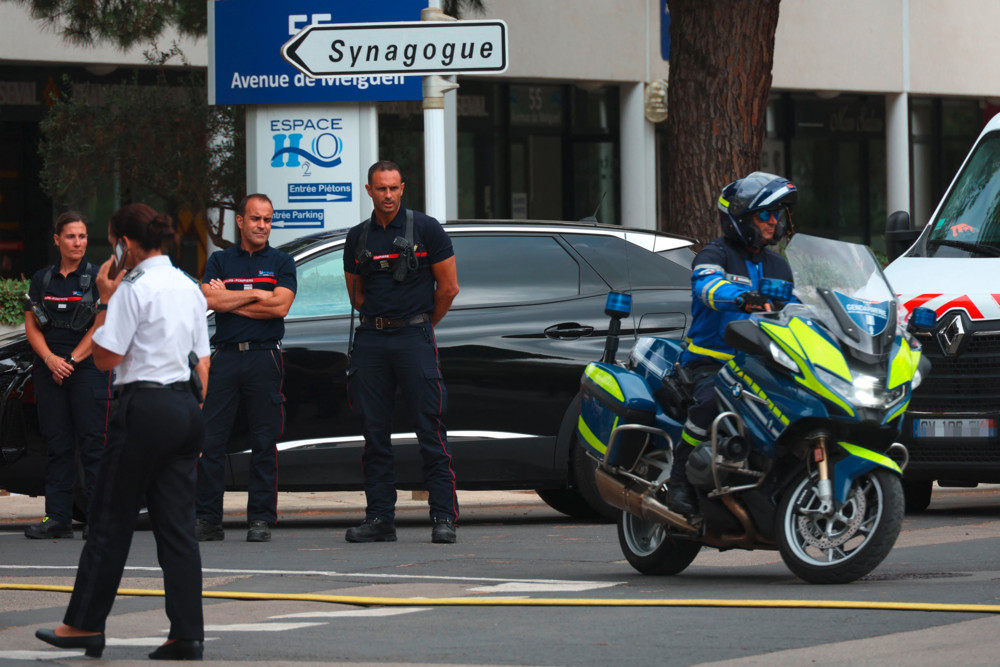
{"x":161,"y":141}
{"x":12,"y":291}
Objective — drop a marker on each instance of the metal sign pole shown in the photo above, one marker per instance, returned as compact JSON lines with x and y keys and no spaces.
{"x":435,"y":175}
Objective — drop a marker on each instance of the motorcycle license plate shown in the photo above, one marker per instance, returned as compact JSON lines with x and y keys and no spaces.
{"x":954,"y":428}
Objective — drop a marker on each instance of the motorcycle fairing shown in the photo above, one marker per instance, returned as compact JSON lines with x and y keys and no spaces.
{"x":610,"y":396}
{"x":809,"y":348}
{"x":858,"y":461}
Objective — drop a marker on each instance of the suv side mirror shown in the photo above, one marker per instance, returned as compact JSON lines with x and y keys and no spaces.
{"x":898,"y":235}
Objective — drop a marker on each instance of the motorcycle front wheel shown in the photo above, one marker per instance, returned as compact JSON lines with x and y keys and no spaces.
{"x":850,"y":543}
{"x":651,"y":549}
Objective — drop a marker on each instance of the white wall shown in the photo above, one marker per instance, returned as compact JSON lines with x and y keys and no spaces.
{"x":592,"y":40}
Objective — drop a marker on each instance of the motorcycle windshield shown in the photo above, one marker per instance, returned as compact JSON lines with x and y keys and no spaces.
{"x":845,"y":286}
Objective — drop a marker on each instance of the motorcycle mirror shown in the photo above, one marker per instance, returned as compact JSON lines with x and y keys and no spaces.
{"x":776,"y":290}
{"x":923,"y":319}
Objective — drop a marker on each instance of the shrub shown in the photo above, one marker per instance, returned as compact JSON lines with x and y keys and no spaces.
{"x":12,"y":291}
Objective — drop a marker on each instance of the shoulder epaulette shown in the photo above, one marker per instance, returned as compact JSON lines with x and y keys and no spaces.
{"x":133,"y":276}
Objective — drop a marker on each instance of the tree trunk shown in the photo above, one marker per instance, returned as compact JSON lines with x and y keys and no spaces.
{"x":721,"y":52}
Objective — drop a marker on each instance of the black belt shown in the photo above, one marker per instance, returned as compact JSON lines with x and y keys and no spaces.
{"x":143,"y":384}
{"x":390,"y":323}
{"x":247,"y":345}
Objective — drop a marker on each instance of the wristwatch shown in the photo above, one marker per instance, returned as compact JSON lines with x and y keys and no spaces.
{"x":102,"y":306}
{"x":71,"y":361}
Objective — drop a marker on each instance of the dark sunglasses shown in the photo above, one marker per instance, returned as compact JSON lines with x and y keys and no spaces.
{"x":766,"y":215}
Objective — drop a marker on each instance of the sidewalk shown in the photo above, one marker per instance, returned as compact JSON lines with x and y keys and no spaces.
{"x":291,"y":505}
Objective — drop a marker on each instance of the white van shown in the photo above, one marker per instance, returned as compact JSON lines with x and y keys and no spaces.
{"x":953,"y":267}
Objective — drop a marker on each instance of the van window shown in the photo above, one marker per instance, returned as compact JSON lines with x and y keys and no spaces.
{"x":321,"y":289}
{"x":968,"y":224}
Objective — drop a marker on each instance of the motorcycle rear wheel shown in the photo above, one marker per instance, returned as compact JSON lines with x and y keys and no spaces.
{"x":850,"y":544}
{"x":651,"y":549}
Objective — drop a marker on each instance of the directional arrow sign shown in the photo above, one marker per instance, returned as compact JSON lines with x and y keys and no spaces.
{"x":415,"y":47}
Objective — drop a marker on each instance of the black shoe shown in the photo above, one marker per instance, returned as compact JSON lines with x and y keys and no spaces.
{"x":372,"y":529}
{"x":179,"y":649}
{"x":206,"y":531}
{"x":259,"y":532}
{"x":92,"y":644}
{"x":443,"y":531}
{"x":682,"y":498}
{"x":47,"y":529}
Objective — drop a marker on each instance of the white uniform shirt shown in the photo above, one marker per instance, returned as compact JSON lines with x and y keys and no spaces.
{"x":155,"y":318}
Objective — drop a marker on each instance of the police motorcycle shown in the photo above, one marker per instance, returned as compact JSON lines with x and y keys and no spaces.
{"x":802,"y":458}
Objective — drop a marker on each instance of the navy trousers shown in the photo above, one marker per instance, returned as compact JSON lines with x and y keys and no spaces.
{"x":406,"y":358}
{"x":253,"y":377}
{"x":152,"y":453}
{"x":71,"y":416}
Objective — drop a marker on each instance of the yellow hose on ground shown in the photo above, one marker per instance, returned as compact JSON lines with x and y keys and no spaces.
{"x":365,"y":601}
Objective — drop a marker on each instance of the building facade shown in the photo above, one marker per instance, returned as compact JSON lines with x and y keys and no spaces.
{"x":873,"y":107}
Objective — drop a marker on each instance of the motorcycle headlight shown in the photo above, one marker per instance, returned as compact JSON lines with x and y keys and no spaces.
{"x":782,"y":357}
{"x":917,"y":379}
{"x":866,"y":390}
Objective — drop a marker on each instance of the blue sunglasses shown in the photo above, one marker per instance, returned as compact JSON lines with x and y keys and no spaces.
{"x":766,"y":215}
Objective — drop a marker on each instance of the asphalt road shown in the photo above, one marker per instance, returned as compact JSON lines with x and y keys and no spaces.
{"x":512,"y":555}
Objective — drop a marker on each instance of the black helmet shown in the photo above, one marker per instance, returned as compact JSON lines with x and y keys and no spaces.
{"x":759,"y":191}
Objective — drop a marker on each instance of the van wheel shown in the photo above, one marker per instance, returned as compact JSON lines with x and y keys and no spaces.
{"x":917,"y":495}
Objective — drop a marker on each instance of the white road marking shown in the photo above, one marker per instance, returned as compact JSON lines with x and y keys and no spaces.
{"x":554,"y":587}
{"x":348,"y":575}
{"x":39,"y":655}
{"x":259,"y":627}
{"x":348,"y":613}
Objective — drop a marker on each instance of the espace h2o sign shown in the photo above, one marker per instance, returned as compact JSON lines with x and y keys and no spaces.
{"x":313,"y":164}
{"x":399,"y":48}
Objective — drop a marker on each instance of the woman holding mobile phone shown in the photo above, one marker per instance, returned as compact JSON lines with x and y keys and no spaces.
{"x":154,"y":320}
{"x":72,"y":394}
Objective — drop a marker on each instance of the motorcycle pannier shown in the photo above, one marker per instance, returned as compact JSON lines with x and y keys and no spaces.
{"x":610,"y":397}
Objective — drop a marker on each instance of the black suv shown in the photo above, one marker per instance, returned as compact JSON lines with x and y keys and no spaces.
{"x":528,"y":318}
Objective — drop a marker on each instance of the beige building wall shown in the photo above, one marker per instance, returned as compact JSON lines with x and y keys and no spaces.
{"x":23,"y":40}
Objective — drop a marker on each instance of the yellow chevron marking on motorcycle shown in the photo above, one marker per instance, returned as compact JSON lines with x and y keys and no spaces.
{"x":898,"y":412}
{"x":589,"y":436}
{"x":759,"y":392}
{"x":820,"y":351}
{"x":788,"y":341}
{"x":604,"y":380}
{"x":904,"y":365}
{"x":868,"y":454}
{"x":704,"y":351}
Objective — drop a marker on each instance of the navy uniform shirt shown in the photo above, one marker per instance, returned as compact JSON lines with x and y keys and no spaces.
{"x":238,"y":269}
{"x":384,"y":297}
{"x":60,"y":301}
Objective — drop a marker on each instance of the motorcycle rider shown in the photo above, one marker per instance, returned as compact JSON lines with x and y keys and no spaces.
{"x":754,"y":213}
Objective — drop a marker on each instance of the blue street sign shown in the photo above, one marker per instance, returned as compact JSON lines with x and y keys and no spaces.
{"x":245,"y":63}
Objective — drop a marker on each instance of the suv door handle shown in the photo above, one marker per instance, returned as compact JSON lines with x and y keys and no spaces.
{"x":568,"y":331}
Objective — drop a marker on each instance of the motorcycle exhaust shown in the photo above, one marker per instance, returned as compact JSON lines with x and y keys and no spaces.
{"x":642,"y":504}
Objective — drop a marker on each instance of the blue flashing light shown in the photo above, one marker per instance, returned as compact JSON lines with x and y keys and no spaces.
{"x":618,"y":305}
{"x":923,"y":318}
{"x":776,"y":290}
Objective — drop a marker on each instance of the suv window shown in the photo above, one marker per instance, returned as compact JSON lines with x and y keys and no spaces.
{"x":512,"y":269}
{"x":322,"y":290}
{"x":625,"y":265}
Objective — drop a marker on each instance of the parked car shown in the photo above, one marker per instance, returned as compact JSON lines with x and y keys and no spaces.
{"x":529,"y":317}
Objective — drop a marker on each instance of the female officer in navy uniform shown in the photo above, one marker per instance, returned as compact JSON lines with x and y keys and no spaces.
{"x":155,"y":318}
{"x":71,"y":393}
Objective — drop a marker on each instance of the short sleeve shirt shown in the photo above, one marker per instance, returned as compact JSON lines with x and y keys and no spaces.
{"x":155,"y":319}
{"x":61,"y":298}
{"x":238,"y":269}
{"x":384,"y":296}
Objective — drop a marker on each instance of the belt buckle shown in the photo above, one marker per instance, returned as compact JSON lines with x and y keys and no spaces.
{"x":379,"y":323}
{"x":244,"y":346}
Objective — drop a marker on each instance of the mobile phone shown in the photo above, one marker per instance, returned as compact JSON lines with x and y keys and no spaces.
{"x":118,"y":259}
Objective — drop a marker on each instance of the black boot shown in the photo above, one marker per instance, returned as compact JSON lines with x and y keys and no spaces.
{"x":683,"y":499}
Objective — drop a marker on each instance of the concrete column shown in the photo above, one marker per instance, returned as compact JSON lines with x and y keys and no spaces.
{"x":897,"y":154}
{"x":638,"y":160}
